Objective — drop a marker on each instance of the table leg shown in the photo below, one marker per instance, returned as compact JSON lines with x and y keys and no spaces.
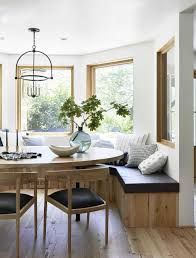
{"x":77,"y":215}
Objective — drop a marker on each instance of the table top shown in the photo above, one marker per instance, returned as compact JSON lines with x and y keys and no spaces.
{"x":93,"y":156}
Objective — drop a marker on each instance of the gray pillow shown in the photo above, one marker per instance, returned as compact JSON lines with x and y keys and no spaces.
{"x":32,"y":141}
{"x":138,"y":153}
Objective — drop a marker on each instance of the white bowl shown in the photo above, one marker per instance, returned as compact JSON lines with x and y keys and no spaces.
{"x":64,"y":151}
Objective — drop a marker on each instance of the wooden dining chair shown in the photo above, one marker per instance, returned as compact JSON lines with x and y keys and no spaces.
{"x":78,"y":200}
{"x":14,"y":204}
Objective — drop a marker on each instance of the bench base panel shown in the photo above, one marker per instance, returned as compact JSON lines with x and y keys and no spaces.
{"x":146,"y":209}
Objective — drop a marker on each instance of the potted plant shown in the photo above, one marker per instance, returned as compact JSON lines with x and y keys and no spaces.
{"x":90,"y":114}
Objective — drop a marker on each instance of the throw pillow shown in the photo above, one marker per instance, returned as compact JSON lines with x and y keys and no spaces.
{"x":103,"y":144}
{"x":121,"y":162}
{"x":32,"y":141}
{"x":139,"y":153}
{"x":124,"y":141}
{"x":153,"y":164}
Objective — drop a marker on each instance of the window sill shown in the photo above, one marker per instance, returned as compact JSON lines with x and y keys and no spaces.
{"x":167,"y":143}
{"x":52,"y":134}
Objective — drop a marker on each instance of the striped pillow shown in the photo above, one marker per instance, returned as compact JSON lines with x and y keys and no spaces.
{"x":139,"y":153}
{"x":124,"y":141}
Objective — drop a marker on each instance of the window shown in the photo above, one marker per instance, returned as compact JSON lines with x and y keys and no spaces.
{"x":166,"y":103}
{"x":112,"y":82}
{"x":40,"y":114}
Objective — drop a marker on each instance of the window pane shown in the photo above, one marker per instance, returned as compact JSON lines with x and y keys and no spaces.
{"x":41,"y":113}
{"x":170,"y":96}
{"x":115,"y":83}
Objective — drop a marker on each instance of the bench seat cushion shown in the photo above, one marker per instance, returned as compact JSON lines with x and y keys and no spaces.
{"x":133,"y":181}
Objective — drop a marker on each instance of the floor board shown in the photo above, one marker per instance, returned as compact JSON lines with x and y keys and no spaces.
{"x":123,"y":243}
{"x":85,"y":243}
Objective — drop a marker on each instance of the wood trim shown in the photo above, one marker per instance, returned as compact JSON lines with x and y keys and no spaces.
{"x":18,"y":97}
{"x":167,"y":46}
{"x":162,"y":94}
{"x":90,"y":69}
{"x":167,"y":143}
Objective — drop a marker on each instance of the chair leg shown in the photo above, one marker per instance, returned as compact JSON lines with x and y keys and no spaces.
{"x":106,"y":224}
{"x":69,"y":235}
{"x":35,"y":210}
{"x":45,"y":218}
{"x":88,"y":218}
{"x":45,"y":207}
{"x":18,"y":237}
{"x":35,"y":219}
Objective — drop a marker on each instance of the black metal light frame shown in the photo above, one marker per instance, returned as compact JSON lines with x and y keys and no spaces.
{"x":35,"y":92}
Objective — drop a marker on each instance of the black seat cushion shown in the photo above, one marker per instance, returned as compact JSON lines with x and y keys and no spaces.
{"x":81,"y":198}
{"x":133,"y":181}
{"x":8,"y":202}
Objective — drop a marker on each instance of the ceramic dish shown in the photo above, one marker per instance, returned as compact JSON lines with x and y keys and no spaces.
{"x":64,"y":151}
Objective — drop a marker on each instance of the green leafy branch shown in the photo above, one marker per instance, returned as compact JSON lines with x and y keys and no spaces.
{"x":90,"y":111}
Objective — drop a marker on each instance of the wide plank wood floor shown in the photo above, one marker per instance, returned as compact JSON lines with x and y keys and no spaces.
{"x":123,"y":243}
{"x":85,"y":243}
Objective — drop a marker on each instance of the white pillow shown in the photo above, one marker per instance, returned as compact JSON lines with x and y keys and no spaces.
{"x":33,"y":140}
{"x":124,"y":141}
{"x":153,"y":163}
{"x":103,"y":144}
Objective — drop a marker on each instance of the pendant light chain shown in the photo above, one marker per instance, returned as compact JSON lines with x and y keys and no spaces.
{"x":34,"y":46}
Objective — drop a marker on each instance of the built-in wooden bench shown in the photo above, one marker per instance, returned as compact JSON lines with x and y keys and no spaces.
{"x":144,"y":200}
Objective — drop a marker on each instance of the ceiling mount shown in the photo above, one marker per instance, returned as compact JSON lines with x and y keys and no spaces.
{"x":33,"y":29}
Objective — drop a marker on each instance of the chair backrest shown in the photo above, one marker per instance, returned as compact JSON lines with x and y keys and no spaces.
{"x":87,"y":174}
{"x":16,"y":179}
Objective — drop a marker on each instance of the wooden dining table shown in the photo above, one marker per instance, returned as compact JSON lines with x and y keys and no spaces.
{"x":49,"y":161}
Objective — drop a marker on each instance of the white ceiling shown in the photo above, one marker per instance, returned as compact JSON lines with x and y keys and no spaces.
{"x":89,"y":25}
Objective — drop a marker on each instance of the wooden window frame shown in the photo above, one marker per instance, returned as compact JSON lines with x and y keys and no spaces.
{"x":19,"y":100}
{"x":162,"y":94}
{"x":90,"y":87}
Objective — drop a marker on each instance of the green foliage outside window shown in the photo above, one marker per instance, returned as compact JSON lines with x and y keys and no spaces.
{"x":41,"y":113}
{"x":115,"y":83}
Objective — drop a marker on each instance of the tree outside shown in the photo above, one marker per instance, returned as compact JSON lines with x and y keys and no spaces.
{"x":115,"y":83}
{"x":41,"y":113}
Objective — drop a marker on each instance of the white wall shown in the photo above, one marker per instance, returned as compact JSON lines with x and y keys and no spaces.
{"x":168,"y":30}
{"x":144,"y":92}
{"x":180,"y":158}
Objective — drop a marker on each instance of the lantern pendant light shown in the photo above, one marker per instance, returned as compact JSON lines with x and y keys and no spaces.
{"x":33,"y":75}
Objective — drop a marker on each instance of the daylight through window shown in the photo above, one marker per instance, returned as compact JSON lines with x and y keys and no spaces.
{"x":40,"y":114}
{"x":113,"y":82}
